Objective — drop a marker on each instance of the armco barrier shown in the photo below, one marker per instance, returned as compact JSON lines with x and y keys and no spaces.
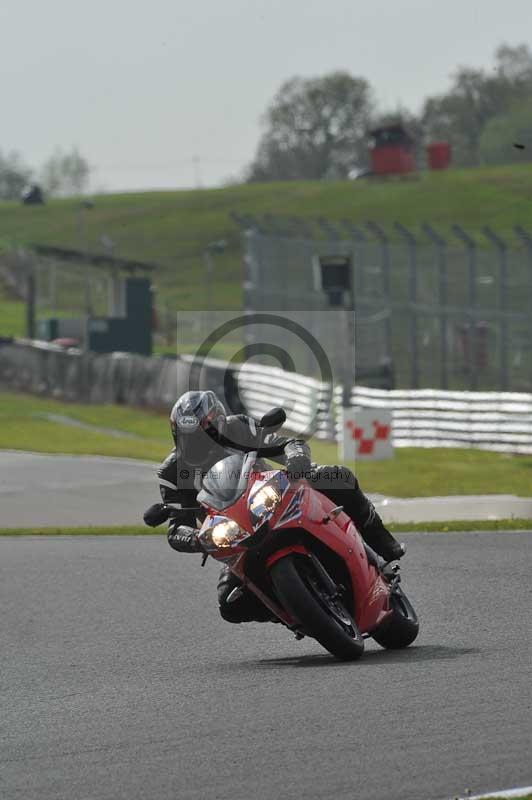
{"x":123,"y":378}
{"x":308,"y":402}
{"x":500,"y":421}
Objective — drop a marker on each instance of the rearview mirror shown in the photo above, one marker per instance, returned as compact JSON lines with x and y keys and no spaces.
{"x":273,"y":419}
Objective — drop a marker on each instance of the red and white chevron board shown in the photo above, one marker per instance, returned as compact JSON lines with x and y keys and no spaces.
{"x":366,"y":434}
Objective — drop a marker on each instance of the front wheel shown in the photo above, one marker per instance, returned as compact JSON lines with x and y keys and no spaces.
{"x":325,"y":618}
{"x":401,"y":627}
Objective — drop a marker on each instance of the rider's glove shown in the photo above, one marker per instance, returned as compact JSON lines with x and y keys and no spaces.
{"x":298,"y":466}
{"x":184,"y":538}
{"x":156,"y":515}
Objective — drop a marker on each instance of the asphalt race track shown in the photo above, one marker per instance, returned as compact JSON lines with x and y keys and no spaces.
{"x":119,"y":680}
{"x":39,"y":490}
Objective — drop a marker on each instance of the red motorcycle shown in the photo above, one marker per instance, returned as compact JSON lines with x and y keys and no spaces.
{"x":302,"y":556}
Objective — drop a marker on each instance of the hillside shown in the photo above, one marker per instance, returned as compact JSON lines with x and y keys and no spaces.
{"x":172,"y":228}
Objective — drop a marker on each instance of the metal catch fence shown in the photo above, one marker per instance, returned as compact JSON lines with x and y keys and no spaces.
{"x":441,"y":308}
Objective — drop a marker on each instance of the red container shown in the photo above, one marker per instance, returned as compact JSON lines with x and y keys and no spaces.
{"x":439,"y":155}
{"x":392,"y":160}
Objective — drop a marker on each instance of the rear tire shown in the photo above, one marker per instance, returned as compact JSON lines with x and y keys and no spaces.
{"x":401,"y":627}
{"x":297,"y":587}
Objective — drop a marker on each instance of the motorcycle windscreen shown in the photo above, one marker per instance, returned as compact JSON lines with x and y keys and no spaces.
{"x":225,"y":482}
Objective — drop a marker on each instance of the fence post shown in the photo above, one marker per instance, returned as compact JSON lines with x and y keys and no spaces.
{"x":351,"y":313}
{"x":500,"y":246}
{"x":440,"y":244}
{"x":30,"y":301}
{"x":330,"y":231}
{"x":412,"y":292}
{"x":300,"y":227}
{"x":472,"y":296}
{"x":381,"y":237}
{"x":526,"y":238}
{"x":360,"y":239}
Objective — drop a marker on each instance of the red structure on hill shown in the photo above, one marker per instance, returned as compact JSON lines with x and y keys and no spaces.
{"x":391,"y":151}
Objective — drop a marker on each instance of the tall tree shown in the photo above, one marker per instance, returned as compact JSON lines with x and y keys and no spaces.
{"x":314,"y":128}
{"x":514,"y":64}
{"x":476,"y":97}
{"x":500,"y":134}
{"x":14,"y":176}
{"x":460,"y":115}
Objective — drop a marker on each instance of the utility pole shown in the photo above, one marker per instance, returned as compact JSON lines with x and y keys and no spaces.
{"x":30,"y":300}
{"x":218,"y":246}
{"x":196,"y":161}
{"x":84,"y":206}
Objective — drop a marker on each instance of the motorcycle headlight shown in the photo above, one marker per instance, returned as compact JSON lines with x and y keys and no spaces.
{"x":221,"y":532}
{"x":226,"y":533}
{"x":264,"y":502}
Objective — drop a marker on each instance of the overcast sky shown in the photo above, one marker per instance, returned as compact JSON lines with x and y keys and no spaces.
{"x":143,"y":88}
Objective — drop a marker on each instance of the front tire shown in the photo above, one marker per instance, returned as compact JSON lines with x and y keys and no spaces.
{"x":324,"y":618}
{"x":401,"y":627}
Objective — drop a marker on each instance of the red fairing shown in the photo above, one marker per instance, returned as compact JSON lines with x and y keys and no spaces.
{"x":304,"y":508}
{"x":370,"y":591}
{"x":286,"y":551}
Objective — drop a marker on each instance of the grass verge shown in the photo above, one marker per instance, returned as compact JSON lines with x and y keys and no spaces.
{"x":50,"y":437}
{"x":403,"y":527}
{"x":507,"y":797}
{"x":413,"y":472}
{"x":23,"y":426}
{"x":88,"y":530}
{"x":12,"y":316}
{"x":457,"y":525}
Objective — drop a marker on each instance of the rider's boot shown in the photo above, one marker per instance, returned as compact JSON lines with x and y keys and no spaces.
{"x":378,"y":537}
{"x":343,"y":488}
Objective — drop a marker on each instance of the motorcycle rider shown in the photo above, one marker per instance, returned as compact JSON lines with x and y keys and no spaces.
{"x":203,"y":434}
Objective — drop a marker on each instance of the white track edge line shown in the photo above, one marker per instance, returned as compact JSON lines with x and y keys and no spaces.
{"x":519,"y":792}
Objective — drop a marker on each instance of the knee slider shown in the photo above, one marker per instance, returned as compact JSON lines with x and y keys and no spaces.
{"x":228,"y":613}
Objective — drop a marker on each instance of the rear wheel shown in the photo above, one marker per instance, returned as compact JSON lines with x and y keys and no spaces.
{"x":401,"y":627}
{"x":323,"y":616}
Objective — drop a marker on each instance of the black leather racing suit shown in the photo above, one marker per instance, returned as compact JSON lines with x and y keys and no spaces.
{"x":180,"y":483}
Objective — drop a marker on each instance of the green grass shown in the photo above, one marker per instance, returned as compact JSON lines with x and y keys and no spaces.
{"x":457,"y":525}
{"x":143,"y":530}
{"x":12,"y":315}
{"x":521,"y":797}
{"x":413,"y":472}
{"x":21,"y":428}
{"x":172,"y":228}
{"x":50,"y":437}
{"x":145,"y":424}
{"x":419,"y":472}
{"x":88,"y":530}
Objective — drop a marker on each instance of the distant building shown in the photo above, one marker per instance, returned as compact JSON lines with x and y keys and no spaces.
{"x":391,"y":151}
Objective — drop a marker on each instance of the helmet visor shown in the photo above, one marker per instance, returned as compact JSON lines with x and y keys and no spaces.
{"x":193,"y":439}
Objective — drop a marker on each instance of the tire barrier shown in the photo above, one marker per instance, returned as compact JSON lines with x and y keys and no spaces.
{"x":500,"y":421}
{"x":122,"y":378}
